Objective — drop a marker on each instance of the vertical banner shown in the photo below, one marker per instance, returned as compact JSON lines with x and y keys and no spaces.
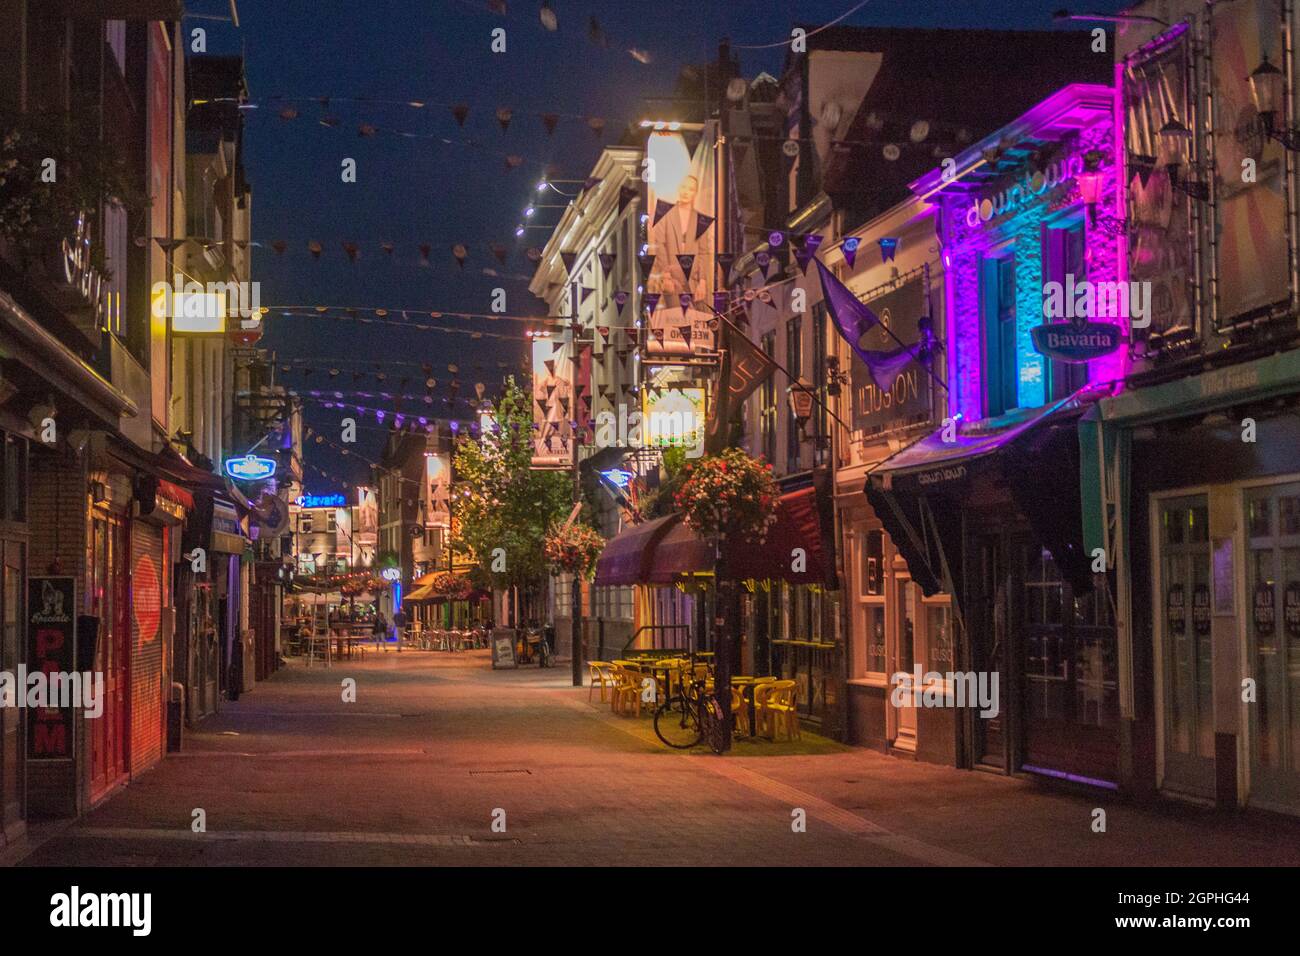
{"x":437,"y":487}
{"x":1252,"y":215}
{"x":582,"y":396}
{"x":682,"y":209}
{"x":1161,"y":248}
{"x":552,"y":386}
{"x":51,"y":649}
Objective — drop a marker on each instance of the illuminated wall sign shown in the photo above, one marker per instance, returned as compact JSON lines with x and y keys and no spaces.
{"x":250,"y":468}
{"x":1028,"y":188}
{"x":321,"y":501}
{"x":198,"y":313}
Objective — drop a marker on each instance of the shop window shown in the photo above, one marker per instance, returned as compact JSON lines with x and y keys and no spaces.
{"x":793,"y":362}
{"x":874,"y":617}
{"x":767,"y":404}
{"x":304,"y":524}
{"x":1063,"y":260}
{"x":1001,"y":368}
{"x":873,"y":562}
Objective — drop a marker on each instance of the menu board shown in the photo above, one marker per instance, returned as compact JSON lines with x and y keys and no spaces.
{"x":503,"y":648}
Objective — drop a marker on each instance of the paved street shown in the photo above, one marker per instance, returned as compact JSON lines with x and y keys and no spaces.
{"x":413,"y":771}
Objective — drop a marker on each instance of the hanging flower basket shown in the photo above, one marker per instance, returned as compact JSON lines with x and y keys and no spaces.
{"x":574,"y":549}
{"x":453,"y":587}
{"x":729,"y":494}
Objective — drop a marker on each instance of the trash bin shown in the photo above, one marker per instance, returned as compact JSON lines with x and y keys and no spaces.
{"x":176,"y":718}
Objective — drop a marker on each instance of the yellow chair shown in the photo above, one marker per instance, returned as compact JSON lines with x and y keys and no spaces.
{"x":626,"y":693}
{"x":602,"y":676}
{"x":740,"y":709}
{"x":780,"y":709}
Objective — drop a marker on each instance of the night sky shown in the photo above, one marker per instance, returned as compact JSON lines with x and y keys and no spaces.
{"x":413,"y":191}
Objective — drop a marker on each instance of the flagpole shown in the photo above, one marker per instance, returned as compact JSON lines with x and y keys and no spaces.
{"x":735,"y":328}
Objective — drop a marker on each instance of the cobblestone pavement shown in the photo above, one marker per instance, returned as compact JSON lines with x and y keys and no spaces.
{"x":435,"y":745}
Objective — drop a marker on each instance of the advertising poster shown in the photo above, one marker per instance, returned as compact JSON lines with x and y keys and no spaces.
{"x":552,"y":402}
{"x":1161,"y":245}
{"x":1253,"y":269}
{"x":681,"y":237}
{"x":51,"y":648}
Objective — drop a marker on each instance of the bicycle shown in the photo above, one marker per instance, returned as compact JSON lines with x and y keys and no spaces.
{"x":688,"y":717}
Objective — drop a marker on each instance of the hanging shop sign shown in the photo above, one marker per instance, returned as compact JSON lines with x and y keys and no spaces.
{"x":250,"y":468}
{"x":617,"y":477}
{"x":1263,"y":610}
{"x":227,"y":535}
{"x":391,"y":574}
{"x":1176,"y":610}
{"x":51,"y":649}
{"x":673,"y":418}
{"x":1075,"y":341}
{"x":273,"y":514}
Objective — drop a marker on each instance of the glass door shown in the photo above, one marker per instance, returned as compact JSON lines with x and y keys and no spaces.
{"x":1183,"y":615}
{"x":987,"y":620}
{"x":12,"y":784}
{"x":902,"y":663}
{"x":1273,"y":635}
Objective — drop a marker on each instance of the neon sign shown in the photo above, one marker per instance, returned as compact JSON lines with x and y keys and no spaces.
{"x":617,"y":477}
{"x":391,"y":574}
{"x":250,"y":468}
{"x":321,"y":501}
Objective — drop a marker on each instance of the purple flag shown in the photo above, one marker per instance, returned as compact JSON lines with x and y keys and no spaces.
{"x":850,"y":249}
{"x":720,"y":301}
{"x":853,"y":320}
{"x":888,"y":248}
{"x":651,"y":300}
{"x":807,"y":249}
{"x":620,"y":299}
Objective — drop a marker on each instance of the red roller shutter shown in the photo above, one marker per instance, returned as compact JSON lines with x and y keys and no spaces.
{"x":146,"y":645}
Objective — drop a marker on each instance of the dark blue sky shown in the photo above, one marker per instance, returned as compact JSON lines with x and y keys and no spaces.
{"x":413,"y":191}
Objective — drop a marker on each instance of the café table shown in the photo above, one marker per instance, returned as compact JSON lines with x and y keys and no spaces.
{"x":745,"y":683}
{"x":657,"y":667}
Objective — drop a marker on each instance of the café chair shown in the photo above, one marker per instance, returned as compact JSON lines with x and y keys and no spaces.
{"x":780,"y":708}
{"x":602,"y":676}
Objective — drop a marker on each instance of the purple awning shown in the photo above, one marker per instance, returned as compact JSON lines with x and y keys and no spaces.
{"x":626,"y":557}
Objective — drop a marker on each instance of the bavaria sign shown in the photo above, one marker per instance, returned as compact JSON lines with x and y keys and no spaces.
{"x":250,"y":468}
{"x":1075,"y":341}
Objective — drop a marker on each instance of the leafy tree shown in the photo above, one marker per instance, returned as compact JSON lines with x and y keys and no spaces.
{"x":499,"y":502}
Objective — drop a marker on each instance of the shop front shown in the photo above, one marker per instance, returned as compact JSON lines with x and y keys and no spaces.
{"x":994,"y":519}
{"x":1212,"y":558}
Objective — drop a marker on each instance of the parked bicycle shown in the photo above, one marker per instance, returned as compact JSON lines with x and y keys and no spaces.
{"x":691,"y":715}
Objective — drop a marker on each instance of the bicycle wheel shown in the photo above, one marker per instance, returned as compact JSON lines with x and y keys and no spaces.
{"x":712,"y":729}
{"x":677,"y":723}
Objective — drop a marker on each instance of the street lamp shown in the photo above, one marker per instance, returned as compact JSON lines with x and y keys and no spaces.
{"x":1175,"y":141}
{"x":1266,"y":89}
{"x":801,"y":403}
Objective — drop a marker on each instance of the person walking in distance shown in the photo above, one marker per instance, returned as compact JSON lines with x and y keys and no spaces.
{"x":380,"y":631}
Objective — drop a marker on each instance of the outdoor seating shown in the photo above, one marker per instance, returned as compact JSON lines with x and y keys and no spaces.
{"x":602,"y":676}
{"x":626,"y":694}
{"x":778,"y":707}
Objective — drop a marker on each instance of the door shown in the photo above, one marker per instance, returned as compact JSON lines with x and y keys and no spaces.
{"x":12,"y":783}
{"x":902,"y":662}
{"x":109,"y":603}
{"x":1183,"y":616}
{"x":1273,"y":642}
{"x":987,"y":620}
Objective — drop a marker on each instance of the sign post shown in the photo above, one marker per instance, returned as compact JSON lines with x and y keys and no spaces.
{"x":51,"y":648}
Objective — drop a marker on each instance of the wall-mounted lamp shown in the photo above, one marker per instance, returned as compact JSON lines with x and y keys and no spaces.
{"x":1266,"y":89}
{"x":1090,"y":181}
{"x":1175,"y":143}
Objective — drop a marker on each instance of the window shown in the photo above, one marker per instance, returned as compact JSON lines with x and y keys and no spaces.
{"x":1063,"y":260}
{"x":821,"y":448}
{"x":1001,"y":369}
{"x":304,"y":523}
{"x":793,"y":362}
{"x":331,"y":521}
{"x":767,"y":404}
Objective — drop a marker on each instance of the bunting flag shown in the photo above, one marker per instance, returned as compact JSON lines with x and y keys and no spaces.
{"x":888,"y":248}
{"x":620,"y":300}
{"x":853,"y":320}
{"x":725,"y":262}
{"x":315,"y":249}
{"x":850,"y":249}
{"x":687,"y":262}
{"x":647,"y":263}
{"x":604,"y":329}
{"x":460,"y":252}
{"x":591,"y":182}
{"x":568,"y":258}
{"x":687,"y":301}
{"x":720,"y":301}
{"x":662,"y":209}
{"x":807,"y":249}
{"x":625,"y":195}
{"x":351,"y":249}
{"x":504,"y":113}
{"x":702,"y":224}
{"x":583,"y":293}
{"x":744,"y":367}
{"x":460,"y":111}
{"x":763,"y":259}
{"x":549,"y":120}
{"x":651,"y":300}
{"x":606,"y":263}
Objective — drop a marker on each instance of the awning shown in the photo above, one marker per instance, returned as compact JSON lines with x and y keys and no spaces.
{"x":919,"y":494}
{"x":423,"y":593}
{"x":666,"y":549}
{"x":799,"y":525}
{"x":626,"y":558}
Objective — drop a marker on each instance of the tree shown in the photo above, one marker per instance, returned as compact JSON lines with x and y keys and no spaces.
{"x":501,"y":508}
